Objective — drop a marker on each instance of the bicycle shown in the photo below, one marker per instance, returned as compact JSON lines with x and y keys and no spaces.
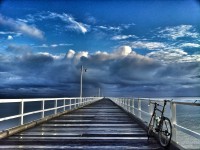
{"x":161,"y":125}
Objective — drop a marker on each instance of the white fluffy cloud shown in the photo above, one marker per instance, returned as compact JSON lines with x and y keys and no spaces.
{"x":179,"y":32}
{"x":70,"y":54}
{"x":123,"y":51}
{"x":174,"y":55}
{"x":53,"y":45}
{"x":75,"y":25}
{"x":148,"y":45}
{"x":22,"y":27}
{"x":76,"y":56}
{"x":10,"y":37}
{"x":123,"y":37}
{"x":190,"y":45}
{"x":110,"y":28}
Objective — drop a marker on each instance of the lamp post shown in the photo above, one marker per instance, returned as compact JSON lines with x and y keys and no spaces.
{"x":81,"y":81}
{"x":99,"y":92}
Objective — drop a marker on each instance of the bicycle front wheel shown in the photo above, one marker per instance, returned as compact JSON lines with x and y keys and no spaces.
{"x":165,"y":133}
{"x":151,"y":127}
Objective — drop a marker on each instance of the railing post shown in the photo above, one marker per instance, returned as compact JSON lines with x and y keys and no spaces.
{"x":139,"y":108}
{"x":82,"y":103}
{"x":42,"y":107}
{"x":127,"y":104}
{"x":151,"y":106}
{"x":64,"y":105}
{"x":173,"y":120}
{"x":22,"y":112}
{"x":55,"y":106}
{"x":133,"y":107}
{"x":70,"y":104}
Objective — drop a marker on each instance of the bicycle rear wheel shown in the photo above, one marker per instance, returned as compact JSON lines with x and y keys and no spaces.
{"x":165,"y":133}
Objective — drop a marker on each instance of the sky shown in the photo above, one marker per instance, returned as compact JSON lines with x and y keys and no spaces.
{"x":137,"y":48}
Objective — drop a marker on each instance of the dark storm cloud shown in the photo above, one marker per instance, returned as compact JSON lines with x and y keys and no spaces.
{"x":35,"y":75}
{"x":120,"y":73}
{"x":14,"y":49}
{"x":135,"y":74}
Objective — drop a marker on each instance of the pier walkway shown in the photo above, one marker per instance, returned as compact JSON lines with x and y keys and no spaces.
{"x":100,"y":125}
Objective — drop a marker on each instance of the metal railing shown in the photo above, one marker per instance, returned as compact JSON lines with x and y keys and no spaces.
{"x":69,"y":103}
{"x":136,"y":107}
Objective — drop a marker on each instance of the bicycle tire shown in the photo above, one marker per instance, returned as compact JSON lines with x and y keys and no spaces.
{"x":165,"y":133}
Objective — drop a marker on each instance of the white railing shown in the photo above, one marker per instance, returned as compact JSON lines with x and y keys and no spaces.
{"x":135,"y":107}
{"x":69,"y":103}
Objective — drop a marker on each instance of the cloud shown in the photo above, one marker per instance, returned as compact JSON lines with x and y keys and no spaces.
{"x":53,"y":45}
{"x":179,"y":32}
{"x":190,"y":45}
{"x":78,"y":26}
{"x":115,"y":28}
{"x":109,"y":28}
{"x":18,"y":49}
{"x":91,"y":19}
{"x":123,"y":37}
{"x":174,"y":55}
{"x":13,"y":34}
{"x":10,"y":37}
{"x":119,"y":72}
{"x":22,"y":27}
{"x":123,"y":51}
{"x":22,"y":20}
{"x":42,"y":46}
{"x":5,"y":33}
{"x":126,"y":26}
{"x":148,"y":45}
{"x":70,"y":21}
{"x":70,"y":54}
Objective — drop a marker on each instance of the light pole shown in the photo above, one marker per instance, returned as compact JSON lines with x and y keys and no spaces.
{"x":99,"y":92}
{"x":81,"y":81}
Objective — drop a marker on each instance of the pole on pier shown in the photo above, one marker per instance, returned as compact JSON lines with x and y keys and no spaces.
{"x":81,"y":80}
{"x":99,"y":92}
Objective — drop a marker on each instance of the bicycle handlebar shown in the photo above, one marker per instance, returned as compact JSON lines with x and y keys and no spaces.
{"x":165,"y":102}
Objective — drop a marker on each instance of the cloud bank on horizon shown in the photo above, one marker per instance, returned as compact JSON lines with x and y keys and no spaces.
{"x":42,"y":49}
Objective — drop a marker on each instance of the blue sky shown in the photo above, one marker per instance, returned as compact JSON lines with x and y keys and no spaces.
{"x":142,"y":48}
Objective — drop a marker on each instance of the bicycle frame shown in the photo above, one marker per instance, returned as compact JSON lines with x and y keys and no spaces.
{"x":163,"y":125}
{"x":162,"y":114}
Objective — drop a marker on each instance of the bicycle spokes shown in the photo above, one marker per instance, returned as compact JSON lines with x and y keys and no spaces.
{"x":165,"y":133}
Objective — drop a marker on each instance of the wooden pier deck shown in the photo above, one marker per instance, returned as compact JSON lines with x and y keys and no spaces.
{"x":100,"y":125}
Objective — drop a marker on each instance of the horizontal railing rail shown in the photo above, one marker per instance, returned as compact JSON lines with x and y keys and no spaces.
{"x":72,"y":102}
{"x":133,"y":105}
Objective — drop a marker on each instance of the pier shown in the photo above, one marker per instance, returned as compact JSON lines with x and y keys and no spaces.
{"x":88,"y":124}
